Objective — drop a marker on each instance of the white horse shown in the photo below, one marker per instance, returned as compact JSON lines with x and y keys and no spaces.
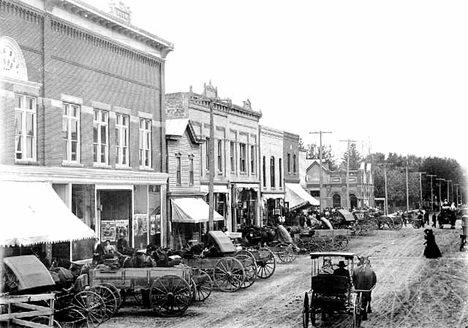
{"x":364,"y":278}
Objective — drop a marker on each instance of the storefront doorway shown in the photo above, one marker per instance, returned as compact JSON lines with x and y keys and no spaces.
{"x":115,"y":214}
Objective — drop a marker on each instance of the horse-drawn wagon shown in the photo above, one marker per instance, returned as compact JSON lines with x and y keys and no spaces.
{"x":334,"y":289}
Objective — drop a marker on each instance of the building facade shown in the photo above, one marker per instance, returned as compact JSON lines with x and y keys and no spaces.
{"x":335,"y":185}
{"x":236,"y":146}
{"x":273,"y":174}
{"x":82,"y":107}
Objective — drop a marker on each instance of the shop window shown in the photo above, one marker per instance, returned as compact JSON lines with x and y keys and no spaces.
{"x":25,"y":128}
{"x":101,"y":137}
{"x":145,"y":143}
{"x":242,"y":157}
{"x":121,"y":140}
{"x":71,"y":132}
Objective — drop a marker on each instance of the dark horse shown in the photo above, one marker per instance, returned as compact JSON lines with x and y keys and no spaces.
{"x":255,"y":236}
{"x":364,"y":279}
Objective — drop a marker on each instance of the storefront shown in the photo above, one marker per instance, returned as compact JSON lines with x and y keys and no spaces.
{"x":245,"y":210}
{"x":274,"y":208}
{"x":221,"y":203}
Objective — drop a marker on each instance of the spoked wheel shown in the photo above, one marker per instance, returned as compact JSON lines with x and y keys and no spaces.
{"x":91,"y":306}
{"x":340,"y":242}
{"x":116,"y":292}
{"x":369,"y":227}
{"x":357,"y":311}
{"x":328,"y":243}
{"x":109,"y":299}
{"x":202,"y":285}
{"x":305,"y":312}
{"x":313,"y":311}
{"x":318,"y":244}
{"x":266,"y":264}
{"x":228,"y":274}
{"x":285,"y":253}
{"x":397,"y":223}
{"x":250,"y":267}
{"x":355,"y":229}
{"x":170,"y":295}
{"x":45,"y":321}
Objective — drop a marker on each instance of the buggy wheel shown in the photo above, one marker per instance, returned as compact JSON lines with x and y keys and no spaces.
{"x":328,"y":243}
{"x":357,"y":311}
{"x":316,"y":244}
{"x":370,"y":227}
{"x":202,"y":285}
{"x":355,"y":229}
{"x":170,"y":295}
{"x":250,"y":267}
{"x":109,"y":299}
{"x":285,"y":253}
{"x":91,"y":306}
{"x":228,"y":274}
{"x":116,"y":292}
{"x":305,"y":312}
{"x":397,"y":223}
{"x":266,"y":264}
{"x":45,"y":321}
{"x":313,"y":311}
{"x":340,"y":242}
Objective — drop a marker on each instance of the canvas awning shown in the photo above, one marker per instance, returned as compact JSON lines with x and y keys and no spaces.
{"x":192,"y":210}
{"x":33,"y":213}
{"x":297,"y":196}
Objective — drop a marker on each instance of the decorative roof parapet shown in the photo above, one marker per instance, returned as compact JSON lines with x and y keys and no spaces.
{"x":222,"y":105}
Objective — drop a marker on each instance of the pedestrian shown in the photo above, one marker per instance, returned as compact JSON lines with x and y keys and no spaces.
{"x":434,"y":219}
{"x":426,"y":217}
{"x":431,"y":251}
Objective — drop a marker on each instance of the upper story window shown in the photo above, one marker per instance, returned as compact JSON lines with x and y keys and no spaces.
{"x":289,"y":163}
{"x":252,"y":159}
{"x":145,"y":143}
{"x":242,"y":157}
{"x":25,"y":128}
{"x":207,"y":154}
{"x":121,"y":140}
{"x":232,"y":154}
{"x":220,"y":156}
{"x":294,"y":164}
{"x":71,"y":132}
{"x":191,"y":171}
{"x":264,"y":171}
{"x":280,"y":171}
{"x":101,"y":137}
{"x":178,"y":170}
{"x":272,"y":172}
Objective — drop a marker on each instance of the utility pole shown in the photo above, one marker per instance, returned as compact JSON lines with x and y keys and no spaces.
{"x":407,"y":189}
{"x":448,"y":191}
{"x":420,"y":188}
{"x":321,"y":170}
{"x":212,"y":169}
{"x":347,"y":174}
{"x":440,"y":192}
{"x":456,"y":193}
{"x":386,"y":199}
{"x":432,"y":196}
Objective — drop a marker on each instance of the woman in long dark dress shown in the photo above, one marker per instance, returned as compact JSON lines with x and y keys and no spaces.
{"x":431,"y":251}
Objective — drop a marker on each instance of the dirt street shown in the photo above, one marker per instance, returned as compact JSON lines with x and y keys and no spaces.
{"x":412,"y":291}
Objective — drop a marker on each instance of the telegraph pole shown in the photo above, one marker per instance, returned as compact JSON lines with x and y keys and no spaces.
{"x":448,"y":191}
{"x":321,"y":170}
{"x":386,"y":196}
{"x":212,"y":169}
{"x":432,"y":196}
{"x":347,"y":174}
{"x":440,"y":192}
{"x":420,"y":188}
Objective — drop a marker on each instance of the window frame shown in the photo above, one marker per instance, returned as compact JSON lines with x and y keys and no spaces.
{"x":280,"y":169}
{"x":264,"y":171}
{"x":242,"y":158}
{"x":178,"y":170}
{"x":220,"y":156}
{"x":69,"y":118}
{"x":122,"y":132}
{"x":232,"y":153}
{"x":272,"y":172}
{"x":145,"y":154}
{"x":252,"y":159}
{"x":100,"y":149}
{"x":26,"y":139}
{"x":191,"y":170}
{"x":294,"y":164}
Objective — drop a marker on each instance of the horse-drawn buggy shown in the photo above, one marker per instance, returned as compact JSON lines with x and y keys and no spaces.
{"x":337,"y":291}
{"x":447,"y":215}
{"x":36,"y":297}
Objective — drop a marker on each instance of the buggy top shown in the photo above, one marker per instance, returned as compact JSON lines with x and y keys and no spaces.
{"x":29,"y":271}
{"x":221,"y":241}
{"x":347,"y":215}
{"x":346,"y":255}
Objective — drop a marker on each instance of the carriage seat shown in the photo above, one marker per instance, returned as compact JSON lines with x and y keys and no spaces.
{"x":331,"y":285}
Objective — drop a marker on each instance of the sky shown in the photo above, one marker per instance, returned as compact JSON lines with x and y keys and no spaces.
{"x":390,"y":75}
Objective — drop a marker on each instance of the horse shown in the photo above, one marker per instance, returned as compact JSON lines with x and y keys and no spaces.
{"x":258,"y":235}
{"x":364,"y":278}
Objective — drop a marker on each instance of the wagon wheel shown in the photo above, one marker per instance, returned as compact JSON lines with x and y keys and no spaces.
{"x":109,"y":298}
{"x":45,"y":321}
{"x":302,"y":245}
{"x":397,"y":223}
{"x":340,"y":242}
{"x":228,"y":274}
{"x":202,"y":285}
{"x":316,"y":244}
{"x":170,"y":295}
{"x":355,"y":229}
{"x":266,"y":264}
{"x":313,"y":311}
{"x":250,"y":267}
{"x":285,"y":253}
{"x":116,"y":292}
{"x":369,"y":227}
{"x":305,"y":312}
{"x":91,"y":306}
{"x":357,"y":311}
{"x":328,"y":243}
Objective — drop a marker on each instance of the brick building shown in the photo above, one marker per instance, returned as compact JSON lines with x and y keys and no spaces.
{"x":236,"y":149}
{"x":82,"y":107}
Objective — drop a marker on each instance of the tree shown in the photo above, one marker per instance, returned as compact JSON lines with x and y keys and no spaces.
{"x":355,"y":158}
{"x":327,"y":154}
